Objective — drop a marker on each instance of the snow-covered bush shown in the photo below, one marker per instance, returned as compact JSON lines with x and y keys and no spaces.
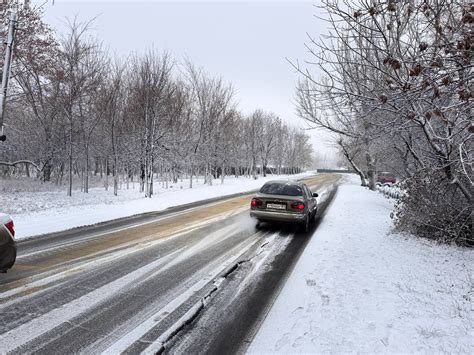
{"x":391,"y":191}
{"x":435,"y":209}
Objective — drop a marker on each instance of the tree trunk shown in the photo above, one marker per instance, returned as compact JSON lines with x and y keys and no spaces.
{"x":69,"y":190}
{"x":209,"y":172}
{"x":370,"y":171}
{"x":223,"y":173}
{"x":86,"y":177}
{"x":363,"y":182}
{"x":47,"y":170}
{"x":142,"y":177}
{"x":107,"y":174}
{"x":175,"y":174}
{"x":115,"y":176}
{"x":114,"y":153}
{"x":254,"y":168}
{"x":150,"y":176}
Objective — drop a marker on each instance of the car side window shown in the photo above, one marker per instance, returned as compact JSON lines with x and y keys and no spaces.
{"x":308,"y":192}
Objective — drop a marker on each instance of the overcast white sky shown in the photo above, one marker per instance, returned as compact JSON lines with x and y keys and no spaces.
{"x":246,"y":42}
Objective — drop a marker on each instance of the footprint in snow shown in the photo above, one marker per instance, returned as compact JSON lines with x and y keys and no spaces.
{"x":282,"y":341}
{"x":297,"y":310}
{"x":325,"y":300}
{"x":299,"y":341}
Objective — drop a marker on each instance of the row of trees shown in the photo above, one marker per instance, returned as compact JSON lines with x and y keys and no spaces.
{"x":397,"y":89}
{"x":74,"y":112}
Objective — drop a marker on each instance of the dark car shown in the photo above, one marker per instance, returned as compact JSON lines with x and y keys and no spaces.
{"x":7,"y":243}
{"x":284,"y":201}
{"x":386,"y":178}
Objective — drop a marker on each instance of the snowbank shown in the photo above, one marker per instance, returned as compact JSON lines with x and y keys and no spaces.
{"x":36,"y":213}
{"x":391,"y":191}
{"x":359,"y":288}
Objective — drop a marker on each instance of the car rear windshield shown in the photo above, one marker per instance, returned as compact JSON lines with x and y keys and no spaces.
{"x":281,"y":189}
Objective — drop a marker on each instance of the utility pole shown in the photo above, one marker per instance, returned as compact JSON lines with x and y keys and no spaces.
{"x":6,"y":69}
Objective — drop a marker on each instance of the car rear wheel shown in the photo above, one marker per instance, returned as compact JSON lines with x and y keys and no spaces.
{"x":306,"y":223}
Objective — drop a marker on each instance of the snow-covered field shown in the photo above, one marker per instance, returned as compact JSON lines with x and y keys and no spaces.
{"x":40,"y":212}
{"x":360,"y":288}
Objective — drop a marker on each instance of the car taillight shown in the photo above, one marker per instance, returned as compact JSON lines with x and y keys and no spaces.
{"x":256,"y":202}
{"x":297,"y":205}
{"x":11,"y":227}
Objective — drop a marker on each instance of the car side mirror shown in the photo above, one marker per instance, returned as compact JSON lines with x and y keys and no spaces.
{"x":315,"y":194}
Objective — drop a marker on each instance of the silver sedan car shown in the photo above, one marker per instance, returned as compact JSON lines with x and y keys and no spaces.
{"x":285,"y":201}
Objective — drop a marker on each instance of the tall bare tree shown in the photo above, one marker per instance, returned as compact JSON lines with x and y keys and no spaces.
{"x":398,"y":77}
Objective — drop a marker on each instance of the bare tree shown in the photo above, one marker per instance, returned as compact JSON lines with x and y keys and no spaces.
{"x":212,"y":98}
{"x":398,"y":76}
{"x":79,"y":69}
{"x":151,"y":84}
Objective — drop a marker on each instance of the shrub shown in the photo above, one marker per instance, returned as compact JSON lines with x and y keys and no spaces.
{"x":434,"y":208}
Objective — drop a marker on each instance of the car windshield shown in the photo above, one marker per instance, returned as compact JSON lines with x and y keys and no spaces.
{"x":281,"y":189}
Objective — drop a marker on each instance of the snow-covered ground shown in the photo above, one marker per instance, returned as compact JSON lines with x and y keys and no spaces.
{"x":360,"y":288}
{"x":40,"y":212}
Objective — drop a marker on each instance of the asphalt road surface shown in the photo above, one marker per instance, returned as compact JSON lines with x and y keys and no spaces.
{"x":193,"y":279}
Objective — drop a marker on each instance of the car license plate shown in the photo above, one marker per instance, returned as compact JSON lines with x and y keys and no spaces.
{"x":276,"y":206}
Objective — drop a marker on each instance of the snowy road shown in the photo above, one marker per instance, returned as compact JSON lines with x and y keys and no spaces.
{"x":203,"y":272}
